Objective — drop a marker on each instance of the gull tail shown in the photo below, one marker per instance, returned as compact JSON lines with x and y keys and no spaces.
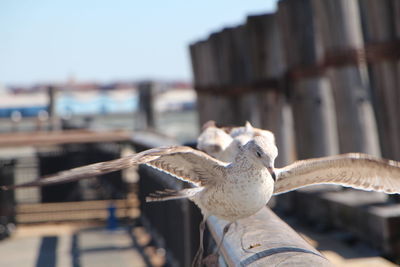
{"x":170,"y":194}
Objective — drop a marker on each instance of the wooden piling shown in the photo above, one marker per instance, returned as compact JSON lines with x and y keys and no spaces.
{"x":248,"y":73}
{"x":311,"y":92}
{"x":346,"y":69}
{"x":205,"y":80}
{"x":51,"y":108}
{"x":7,"y":198}
{"x":241,"y":80}
{"x":268,"y":67}
{"x":146,"y":101}
{"x":381,"y":27}
{"x":222,"y":48}
{"x":195,"y":59}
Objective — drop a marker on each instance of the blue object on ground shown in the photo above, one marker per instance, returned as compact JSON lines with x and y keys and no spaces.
{"x":112,"y":222}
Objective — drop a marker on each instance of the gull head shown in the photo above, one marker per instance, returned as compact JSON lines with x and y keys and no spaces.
{"x":213,"y":141}
{"x":262,"y":152}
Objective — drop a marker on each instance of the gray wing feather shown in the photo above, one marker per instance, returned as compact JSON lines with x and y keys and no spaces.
{"x":191,"y":166}
{"x":182,"y":162}
{"x":355,"y":170}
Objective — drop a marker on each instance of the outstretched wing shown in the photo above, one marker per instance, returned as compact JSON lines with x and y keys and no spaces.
{"x":190,"y":165}
{"x":356,"y":170}
{"x":182,"y":162}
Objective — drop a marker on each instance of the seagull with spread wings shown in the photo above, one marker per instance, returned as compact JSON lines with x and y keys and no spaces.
{"x":236,"y":190}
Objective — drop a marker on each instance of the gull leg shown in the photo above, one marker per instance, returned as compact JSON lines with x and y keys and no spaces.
{"x":226,"y":229}
{"x":197,"y":261}
{"x":212,"y":260}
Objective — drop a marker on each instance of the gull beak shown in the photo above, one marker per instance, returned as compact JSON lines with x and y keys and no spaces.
{"x":272,"y":172}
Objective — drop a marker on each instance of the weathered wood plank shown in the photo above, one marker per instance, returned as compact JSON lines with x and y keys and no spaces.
{"x":62,"y":137}
{"x":71,"y":211}
{"x":75,"y":206}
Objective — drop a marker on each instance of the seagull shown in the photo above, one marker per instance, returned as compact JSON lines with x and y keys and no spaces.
{"x":213,"y":140}
{"x":224,"y":143}
{"x":231,"y":191}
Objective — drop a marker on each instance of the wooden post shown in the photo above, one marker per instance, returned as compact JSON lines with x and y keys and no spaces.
{"x":51,"y":107}
{"x":195,"y":55}
{"x":206,"y":80}
{"x":381,"y":22}
{"x":146,"y":101}
{"x":267,"y":69}
{"x":223,"y":104}
{"x":247,"y":109}
{"x":311,"y":93}
{"x":52,"y":103}
{"x":381,"y":26}
{"x":348,"y":75}
{"x":201,"y":56}
{"x":7,"y":198}
{"x":210,"y":69}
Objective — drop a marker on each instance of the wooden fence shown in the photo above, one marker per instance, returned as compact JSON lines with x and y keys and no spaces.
{"x":323,"y":75}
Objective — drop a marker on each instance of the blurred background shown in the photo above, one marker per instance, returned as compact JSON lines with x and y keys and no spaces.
{"x":96,"y":53}
{"x":89,"y":81}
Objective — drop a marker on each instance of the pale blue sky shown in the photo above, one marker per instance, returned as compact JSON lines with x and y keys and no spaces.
{"x":104,"y":40}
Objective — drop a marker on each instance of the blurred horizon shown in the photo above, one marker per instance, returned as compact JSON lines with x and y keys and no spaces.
{"x":99,"y":41}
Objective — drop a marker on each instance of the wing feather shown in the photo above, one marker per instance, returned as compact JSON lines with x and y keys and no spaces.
{"x":181,"y":162}
{"x":192,"y":166}
{"x":355,"y":170}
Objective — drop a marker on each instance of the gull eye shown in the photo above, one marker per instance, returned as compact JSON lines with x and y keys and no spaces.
{"x":258,"y":154}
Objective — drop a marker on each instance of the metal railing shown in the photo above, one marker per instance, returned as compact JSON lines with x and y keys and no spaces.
{"x":264,"y":240}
